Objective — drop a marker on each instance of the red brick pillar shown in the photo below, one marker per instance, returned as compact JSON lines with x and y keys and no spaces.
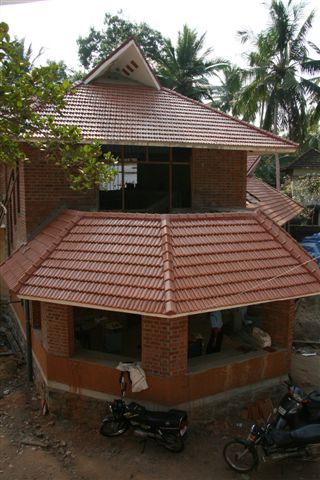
{"x":164,"y":345}
{"x":278,"y":321}
{"x":57,"y":329}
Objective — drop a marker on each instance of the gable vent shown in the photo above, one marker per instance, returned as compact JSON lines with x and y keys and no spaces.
{"x":128,"y":68}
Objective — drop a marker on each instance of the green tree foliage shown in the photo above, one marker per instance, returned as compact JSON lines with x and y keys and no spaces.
{"x":266,"y":170}
{"x":280,"y":87}
{"x":99,"y":44}
{"x":304,"y":190}
{"x":312,"y":138}
{"x":66,"y":73}
{"x":225,"y":95}
{"x":186,"y":68}
{"x":29,"y":99}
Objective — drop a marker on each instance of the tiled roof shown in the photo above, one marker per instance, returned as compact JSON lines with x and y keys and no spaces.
{"x":252,"y":163}
{"x":161,"y":264}
{"x":310,"y":159}
{"x":278,"y":206}
{"x":135,"y":114}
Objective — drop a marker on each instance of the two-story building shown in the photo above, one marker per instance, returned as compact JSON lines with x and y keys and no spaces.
{"x":133,"y":271}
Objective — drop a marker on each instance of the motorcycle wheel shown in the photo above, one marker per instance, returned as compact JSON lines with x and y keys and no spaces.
{"x":239,"y":456}
{"x":113,"y":428}
{"x":173,"y":443}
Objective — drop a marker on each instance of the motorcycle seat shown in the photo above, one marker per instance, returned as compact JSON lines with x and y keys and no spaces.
{"x":160,"y":419}
{"x":299,"y":436}
{"x":307,"y":434}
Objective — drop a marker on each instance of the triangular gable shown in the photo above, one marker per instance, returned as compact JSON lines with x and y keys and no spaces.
{"x":128,"y":63}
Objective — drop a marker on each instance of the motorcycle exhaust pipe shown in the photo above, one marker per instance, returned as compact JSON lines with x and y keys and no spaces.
{"x":141,"y":434}
{"x":281,"y":456}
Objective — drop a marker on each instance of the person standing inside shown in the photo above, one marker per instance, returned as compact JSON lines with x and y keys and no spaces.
{"x":216,"y":336}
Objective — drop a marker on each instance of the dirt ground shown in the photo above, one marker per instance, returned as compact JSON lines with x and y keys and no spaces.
{"x":33,"y":445}
{"x":307,"y":325}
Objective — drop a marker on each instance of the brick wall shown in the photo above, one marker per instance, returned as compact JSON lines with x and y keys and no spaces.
{"x":42,"y":190}
{"x":164,"y":345}
{"x":278,"y":321}
{"x":57,"y":329}
{"x":219,"y":178}
{"x":46,"y":190}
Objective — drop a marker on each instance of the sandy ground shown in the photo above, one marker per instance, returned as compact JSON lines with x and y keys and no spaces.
{"x":36,"y":446}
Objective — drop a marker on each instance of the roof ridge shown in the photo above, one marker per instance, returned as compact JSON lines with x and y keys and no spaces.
{"x":242,"y":122}
{"x":168,"y":277}
{"x":262,"y":218}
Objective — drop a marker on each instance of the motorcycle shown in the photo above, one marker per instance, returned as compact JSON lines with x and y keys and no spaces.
{"x":168,"y":429}
{"x":297,"y":409}
{"x":242,"y":454}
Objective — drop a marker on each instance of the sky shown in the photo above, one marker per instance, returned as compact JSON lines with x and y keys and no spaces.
{"x":55,"y":25}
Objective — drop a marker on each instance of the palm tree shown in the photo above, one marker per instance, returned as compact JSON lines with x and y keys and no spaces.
{"x":225,"y":95}
{"x":26,"y":52}
{"x":279,"y":85}
{"x":187,"y":68}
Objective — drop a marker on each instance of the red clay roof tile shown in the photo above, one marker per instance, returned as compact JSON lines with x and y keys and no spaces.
{"x":129,"y":114}
{"x":252,"y":163}
{"x":278,"y":206}
{"x":195,"y":263}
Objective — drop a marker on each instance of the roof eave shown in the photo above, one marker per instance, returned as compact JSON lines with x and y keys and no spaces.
{"x":156,"y":143}
{"x":162,"y":315}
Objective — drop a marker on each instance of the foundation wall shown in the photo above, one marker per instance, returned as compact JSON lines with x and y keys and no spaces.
{"x":66,"y":381}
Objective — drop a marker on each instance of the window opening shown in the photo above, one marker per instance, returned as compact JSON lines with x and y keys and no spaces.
{"x":107,"y":332}
{"x":225,"y":334}
{"x":148,"y":179}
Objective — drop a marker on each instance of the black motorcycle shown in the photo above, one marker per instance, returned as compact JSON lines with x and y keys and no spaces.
{"x":297,"y":409}
{"x":168,"y":429}
{"x":242,"y":454}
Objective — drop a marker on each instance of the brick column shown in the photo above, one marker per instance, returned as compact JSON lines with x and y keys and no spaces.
{"x":57,"y":329}
{"x":278,"y":321}
{"x":164,"y":345}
